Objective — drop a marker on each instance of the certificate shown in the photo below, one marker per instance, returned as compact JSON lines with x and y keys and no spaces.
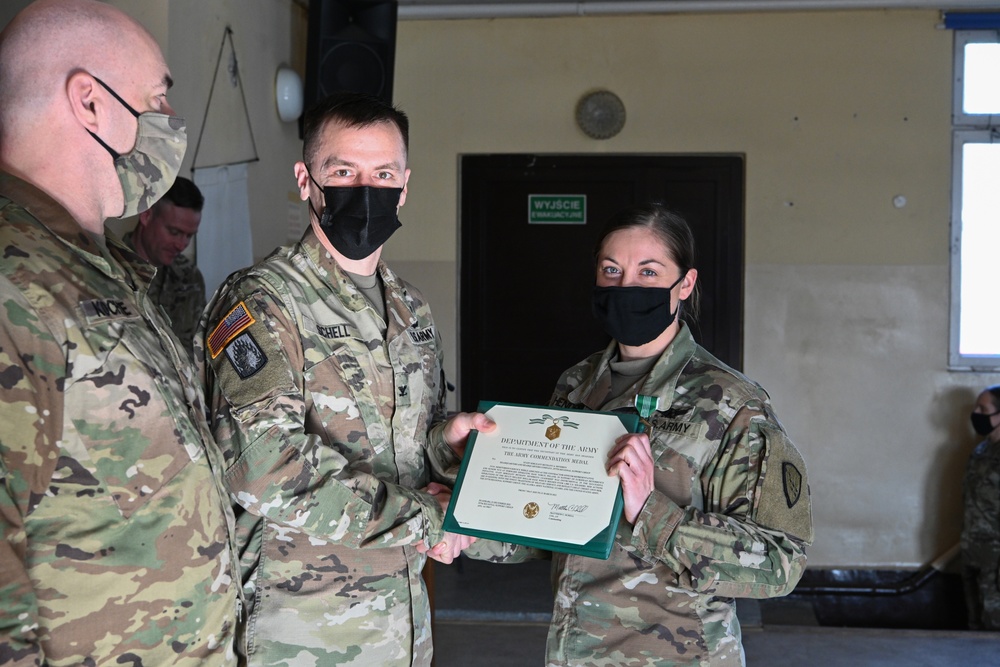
{"x":540,"y":479}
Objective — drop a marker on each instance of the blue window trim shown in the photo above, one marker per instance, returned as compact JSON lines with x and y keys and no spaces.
{"x":972,"y":20}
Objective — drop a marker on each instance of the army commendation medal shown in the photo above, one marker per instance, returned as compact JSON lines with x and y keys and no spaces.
{"x":540,"y":479}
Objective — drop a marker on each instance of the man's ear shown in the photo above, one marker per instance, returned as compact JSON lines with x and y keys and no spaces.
{"x":145,"y":217}
{"x":85,"y":100}
{"x":402,"y":195}
{"x":302,"y":179}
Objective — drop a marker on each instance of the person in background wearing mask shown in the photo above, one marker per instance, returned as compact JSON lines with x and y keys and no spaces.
{"x":160,"y":237}
{"x":324,"y":375}
{"x":981,"y":527}
{"x":116,"y":542}
{"x":716,"y":500}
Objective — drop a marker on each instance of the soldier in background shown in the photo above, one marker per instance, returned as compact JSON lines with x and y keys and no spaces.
{"x":981,"y":525}
{"x":326,"y":390}
{"x":160,"y":237}
{"x":115,"y":530}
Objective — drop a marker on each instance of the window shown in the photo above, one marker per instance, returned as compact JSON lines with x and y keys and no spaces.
{"x":975,"y":216}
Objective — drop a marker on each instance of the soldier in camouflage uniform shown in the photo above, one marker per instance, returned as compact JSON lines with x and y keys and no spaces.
{"x":716,"y":500}
{"x":117,"y":534}
{"x":981,"y":528}
{"x":326,"y":390}
{"x":160,"y":237}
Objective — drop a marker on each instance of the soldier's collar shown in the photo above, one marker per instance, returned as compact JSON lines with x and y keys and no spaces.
{"x":50,"y":213}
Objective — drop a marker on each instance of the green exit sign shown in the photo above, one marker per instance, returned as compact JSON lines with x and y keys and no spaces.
{"x":557,"y":209}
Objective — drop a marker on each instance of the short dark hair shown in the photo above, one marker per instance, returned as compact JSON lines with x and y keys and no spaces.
{"x":994,"y":391}
{"x":184,"y":194}
{"x":675,"y":233}
{"x":353,"y":110}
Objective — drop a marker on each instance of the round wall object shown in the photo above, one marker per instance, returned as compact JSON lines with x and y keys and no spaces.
{"x":288,"y":94}
{"x":600,"y":114}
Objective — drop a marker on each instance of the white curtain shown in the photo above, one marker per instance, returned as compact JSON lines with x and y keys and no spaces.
{"x":224,"y":241}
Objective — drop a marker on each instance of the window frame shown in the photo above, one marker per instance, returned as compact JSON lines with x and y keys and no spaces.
{"x":966,"y":129}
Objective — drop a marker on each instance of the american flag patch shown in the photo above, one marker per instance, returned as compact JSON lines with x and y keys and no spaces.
{"x":238,"y":319}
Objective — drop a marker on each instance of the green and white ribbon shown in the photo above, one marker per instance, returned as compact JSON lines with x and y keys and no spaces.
{"x":646,"y":406}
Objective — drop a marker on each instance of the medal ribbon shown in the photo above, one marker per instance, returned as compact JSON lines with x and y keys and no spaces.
{"x":646,"y":406}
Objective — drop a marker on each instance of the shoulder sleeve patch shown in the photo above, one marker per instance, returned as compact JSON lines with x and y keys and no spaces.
{"x":783,"y":501}
{"x":245,"y":355}
{"x":250,"y":366}
{"x":231,"y":326}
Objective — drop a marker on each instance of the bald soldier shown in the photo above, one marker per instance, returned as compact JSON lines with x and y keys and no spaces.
{"x":116,"y":532}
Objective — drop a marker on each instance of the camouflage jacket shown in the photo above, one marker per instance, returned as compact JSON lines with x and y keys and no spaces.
{"x":324,"y":422}
{"x":981,"y":495}
{"x":179,"y":289}
{"x":117,"y":532}
{"x":729,"y":517}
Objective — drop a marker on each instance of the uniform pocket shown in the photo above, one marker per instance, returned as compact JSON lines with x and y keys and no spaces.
{"x":119,"y":428}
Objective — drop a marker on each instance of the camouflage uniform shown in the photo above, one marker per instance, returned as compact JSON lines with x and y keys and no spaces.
{"x":116,"y":527}
{"x":981,"y":536}
{"x":179,"y":288}
{"x":729,"y":517}
{"x":324,"y":415}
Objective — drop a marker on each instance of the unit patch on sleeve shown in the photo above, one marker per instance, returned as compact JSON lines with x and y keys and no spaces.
{"x":234,"y":323}
{"x":245,"y":355}
{"x":792,"y":479}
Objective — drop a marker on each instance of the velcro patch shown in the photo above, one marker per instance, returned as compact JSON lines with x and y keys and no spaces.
{"x":676,"y":427}
{"x":783,"y":501}
{"x":96,"y":310}
{"x":232,"y":325}
{"x":334,"y":331}
{"x":421,"y":336}
{"x":245,"y":355}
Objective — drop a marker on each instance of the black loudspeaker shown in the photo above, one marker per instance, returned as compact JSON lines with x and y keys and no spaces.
{"x":352,"y":46}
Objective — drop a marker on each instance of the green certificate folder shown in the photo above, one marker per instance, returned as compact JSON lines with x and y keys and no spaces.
{"x":540,"y":479}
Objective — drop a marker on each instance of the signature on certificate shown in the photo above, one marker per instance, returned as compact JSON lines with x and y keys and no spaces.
{"x":557,"y":507}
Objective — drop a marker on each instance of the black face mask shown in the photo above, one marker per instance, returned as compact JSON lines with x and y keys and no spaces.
{"x":982,"y":424}
{"x":634,"y":315}
{"x":358,"y":220}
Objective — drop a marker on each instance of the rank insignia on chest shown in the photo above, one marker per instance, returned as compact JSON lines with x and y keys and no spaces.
{"x":402,"y":390}
{"x":245,"y":355}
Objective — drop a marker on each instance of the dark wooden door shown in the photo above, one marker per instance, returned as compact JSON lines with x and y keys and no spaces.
{"x":524,"y":295}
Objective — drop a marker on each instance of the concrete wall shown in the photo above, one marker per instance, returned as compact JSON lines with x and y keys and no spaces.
{"x":837,"y":113}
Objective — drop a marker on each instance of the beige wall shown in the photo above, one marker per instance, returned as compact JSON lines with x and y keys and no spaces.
{"x":846,"y":297}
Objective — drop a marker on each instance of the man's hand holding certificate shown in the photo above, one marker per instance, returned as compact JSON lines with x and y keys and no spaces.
{"x":540,"y":479}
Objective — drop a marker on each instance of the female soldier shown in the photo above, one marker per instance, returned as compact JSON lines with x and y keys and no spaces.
{"x":981,"y":530}
{"x":716,"y":500}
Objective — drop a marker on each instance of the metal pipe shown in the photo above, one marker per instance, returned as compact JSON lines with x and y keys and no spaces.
{"x":903,"y":587}
{"x":432,"y":11}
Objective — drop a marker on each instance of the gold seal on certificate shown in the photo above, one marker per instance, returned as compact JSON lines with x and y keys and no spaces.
{"x":540,"y":479}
